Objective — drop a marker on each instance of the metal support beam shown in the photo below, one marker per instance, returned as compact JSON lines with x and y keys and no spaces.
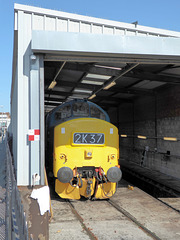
{"x":154,"y":77}
{"x":53,"y":83}
{"x":126,"y":58}
{"x":108,"y":83}
{"x":73,"y":84}
{"x":90,"y":68}
{"x":136,"y":91}
{"x":42,"y":119}
{"x":57,"y":93}
{"x":34,"y":115}
{"x":99,"y":98}
{"x":131,"y":49}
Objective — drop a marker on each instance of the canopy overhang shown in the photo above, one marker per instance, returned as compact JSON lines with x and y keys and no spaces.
{"x":119,"y":48}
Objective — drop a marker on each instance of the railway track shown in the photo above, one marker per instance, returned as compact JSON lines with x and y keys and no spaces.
{"x":119,"y":209}
{"x":127,"y":215}
{"x":133,"y":219}
{"x":157,"y":186}
{"x":107,"y":224}
{"x":87,"y":229}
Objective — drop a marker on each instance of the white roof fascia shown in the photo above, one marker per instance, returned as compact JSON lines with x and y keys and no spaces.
{"x":97,"y":21}
{"x":160,"y":48}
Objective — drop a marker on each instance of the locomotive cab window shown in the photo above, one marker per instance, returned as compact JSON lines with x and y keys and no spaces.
{"x":81,"y":109}
{"x":64,"y":112}
{"x":97,"y":113}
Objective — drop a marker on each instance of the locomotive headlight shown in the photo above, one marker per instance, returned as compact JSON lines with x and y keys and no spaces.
{"x":65,"y":174}
{"x":114,"y":174}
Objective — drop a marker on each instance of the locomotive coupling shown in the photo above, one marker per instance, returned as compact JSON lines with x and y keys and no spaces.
{"x":114,"y":174}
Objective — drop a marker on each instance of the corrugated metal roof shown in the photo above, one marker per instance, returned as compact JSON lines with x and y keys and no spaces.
{"x":51,"y":20}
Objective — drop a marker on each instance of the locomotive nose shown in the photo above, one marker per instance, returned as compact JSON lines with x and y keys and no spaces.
{"x":65,"y":174}
{"x":114,"y":174}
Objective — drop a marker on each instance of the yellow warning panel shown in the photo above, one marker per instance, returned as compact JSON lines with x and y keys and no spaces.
{"x":105,"y":190}
{"x":65,"y":190}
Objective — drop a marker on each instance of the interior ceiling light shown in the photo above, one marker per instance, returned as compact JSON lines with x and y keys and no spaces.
{"x":91,"y":97}
{"x":92,"y":82}
{"x":170,"y":139}
{"x":108,"y":67}
{"x":49,"y":101}
{"x":78,"y":90}
{"x":78,"y":96}
{"x":123,"y":135}
{"x":48,"y":106}
{"x":141,"y":137}
{"x":97,"y":76}
{"x":52,"y":85}
{"x":109,"y":85}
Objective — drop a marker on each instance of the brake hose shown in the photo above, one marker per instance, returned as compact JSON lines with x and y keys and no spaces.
{"x":79,"y":178}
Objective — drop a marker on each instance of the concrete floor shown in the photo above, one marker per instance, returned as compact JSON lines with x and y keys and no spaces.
{"x":108,"y":223}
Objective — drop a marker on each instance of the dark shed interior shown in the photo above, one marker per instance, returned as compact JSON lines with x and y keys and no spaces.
{"x":142,"y":100}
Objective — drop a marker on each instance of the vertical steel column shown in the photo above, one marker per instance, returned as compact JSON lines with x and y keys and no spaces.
{"x":34,"y":115}
{"x":21,"y":98}
{"x":42,"y":119}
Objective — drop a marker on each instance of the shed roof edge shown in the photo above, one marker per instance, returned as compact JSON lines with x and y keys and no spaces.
{"x":77,"y":17}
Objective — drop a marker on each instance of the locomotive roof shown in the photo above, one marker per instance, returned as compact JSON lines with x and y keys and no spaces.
{"x":50,"y":117}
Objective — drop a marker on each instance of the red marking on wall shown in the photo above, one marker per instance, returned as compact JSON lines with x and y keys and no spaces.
{"x":34,"y":135}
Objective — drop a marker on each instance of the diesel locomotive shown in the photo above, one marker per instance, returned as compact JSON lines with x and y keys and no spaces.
{"x":82,"y":151}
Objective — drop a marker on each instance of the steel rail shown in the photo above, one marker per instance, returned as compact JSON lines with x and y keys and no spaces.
{"x":133,"y":219}
{"x":81,"y":220}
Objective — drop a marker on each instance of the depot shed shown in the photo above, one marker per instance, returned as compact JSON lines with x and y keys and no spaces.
{"x":132,"y":71}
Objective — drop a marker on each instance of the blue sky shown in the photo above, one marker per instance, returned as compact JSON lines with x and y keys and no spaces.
{"x":153,"y":13}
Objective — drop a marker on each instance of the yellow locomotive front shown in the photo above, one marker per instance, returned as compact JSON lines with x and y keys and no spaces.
{"x":86,"y":153}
